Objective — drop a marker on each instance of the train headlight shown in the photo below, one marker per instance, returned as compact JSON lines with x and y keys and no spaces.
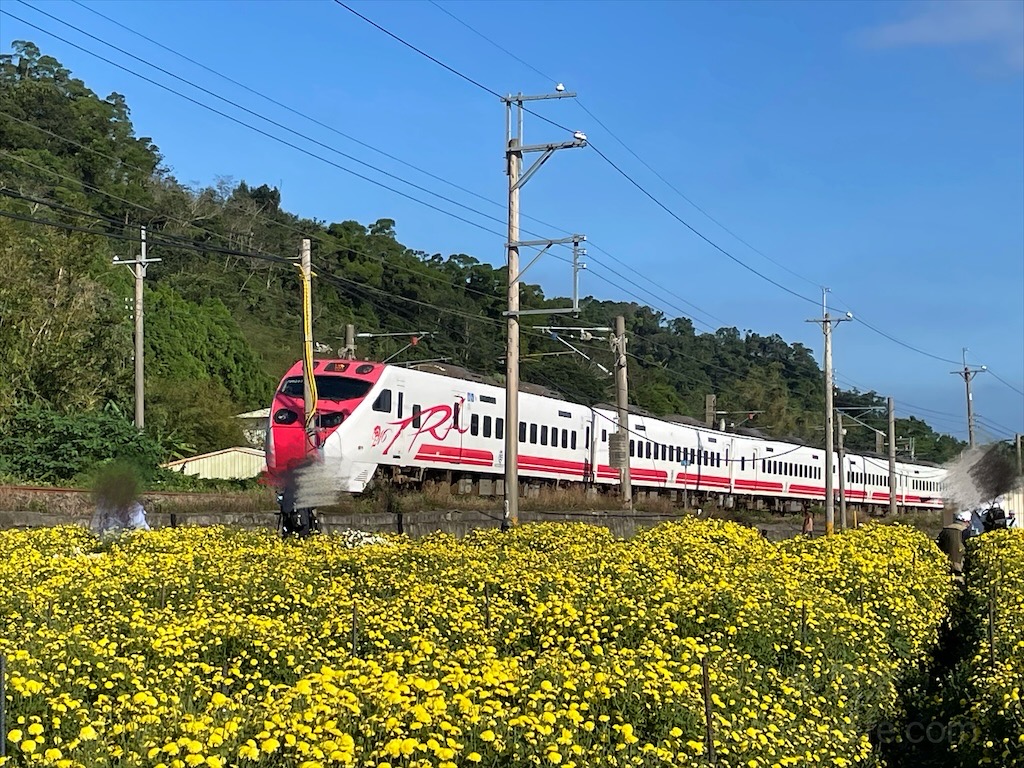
{"x":285,"y":416}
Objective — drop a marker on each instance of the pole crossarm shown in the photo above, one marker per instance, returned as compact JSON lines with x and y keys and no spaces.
{"x":537,"y":243}
{"x":518,"y":98}
{"x":546,"y":150}
{"x":586,"y":357}
{"x":847,"y":414}
{"x":417,"y":334}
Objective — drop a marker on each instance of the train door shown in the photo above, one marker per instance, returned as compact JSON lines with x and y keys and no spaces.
{"x":402,"y":409}
{"x":585,"y":449}
{"x":730,"y":463}
{"x":462,"y":413}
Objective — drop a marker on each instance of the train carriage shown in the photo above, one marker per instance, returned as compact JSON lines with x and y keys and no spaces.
{"x":413,"y":425}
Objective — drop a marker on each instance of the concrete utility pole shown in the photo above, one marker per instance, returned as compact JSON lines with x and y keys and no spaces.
{"x":826,"y":322}
{"x":710,"y":409}
{"x":841,"y":454}
{"x":309,"y":394}
{"x":892,"y":457}
{"x":622,"y":404}
{"x":138,"y":267}
{"x":514,"y":150}
{"x":349,"y":352}
{"x":1017,"y":440}
{"x":969,"y":373}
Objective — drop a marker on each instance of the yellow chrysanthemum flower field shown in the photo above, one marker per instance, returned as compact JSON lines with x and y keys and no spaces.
{"x":552,"y":644}
{"x":990,"y":729}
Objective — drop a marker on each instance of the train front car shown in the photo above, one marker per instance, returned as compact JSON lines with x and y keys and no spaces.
{"x":341,"y":387}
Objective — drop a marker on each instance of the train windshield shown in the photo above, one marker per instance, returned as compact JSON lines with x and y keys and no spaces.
{"x":328,"y":387}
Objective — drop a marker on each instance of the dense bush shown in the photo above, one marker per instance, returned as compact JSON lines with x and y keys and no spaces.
{"x":43,"y":445}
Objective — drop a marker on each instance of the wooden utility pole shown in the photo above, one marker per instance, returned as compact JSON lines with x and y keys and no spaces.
{"x":622,"y":404}
{"x":892,"y":457}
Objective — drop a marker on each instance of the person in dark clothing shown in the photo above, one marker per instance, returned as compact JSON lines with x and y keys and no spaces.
{"x":952,"y":541}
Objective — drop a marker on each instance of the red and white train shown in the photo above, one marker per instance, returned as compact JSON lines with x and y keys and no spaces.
{"x":412,"y":424}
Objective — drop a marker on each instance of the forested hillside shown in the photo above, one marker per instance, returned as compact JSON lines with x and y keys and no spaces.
{"x":222,"y":306}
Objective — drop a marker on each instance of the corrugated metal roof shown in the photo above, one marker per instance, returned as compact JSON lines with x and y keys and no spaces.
{"x":261,"y":413}
{"x":227,"y":464}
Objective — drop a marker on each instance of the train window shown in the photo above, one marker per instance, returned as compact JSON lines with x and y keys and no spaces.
{"x":533,"y":434}
{"x":565,"y":438}
{"x":671,"y":453}
{"x":572,"y":440}
{"x":328,"y":387}
{"x":586,"y":439}
{"x":417,"y":420}
{"x":522,"y":431}
{"x":604,"y":435}
{"x":401,"y":398}
{"x":487,"y":426}
{"x":455,"y":415}
{"x":632,"y":445}
{"x":648,"y":450}
{"x":474,"y":425}
{"x":383,"y":402}
{"x":743,"y":463}
{"x":718,"y":459}
{"x":499,"y":428}
{"x":762,"y":465}
{"x":544,"y":435}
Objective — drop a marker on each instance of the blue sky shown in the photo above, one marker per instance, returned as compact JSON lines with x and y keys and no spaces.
{"x":875,"y":148}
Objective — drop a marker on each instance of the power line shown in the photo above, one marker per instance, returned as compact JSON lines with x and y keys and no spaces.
{"x":625,"y":146}
{"x":601,"y":154}
{"x":278,"y":138}
{"x":305,"y":116}
{"x":301,"y":135}
{"x":1004,"y":381}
